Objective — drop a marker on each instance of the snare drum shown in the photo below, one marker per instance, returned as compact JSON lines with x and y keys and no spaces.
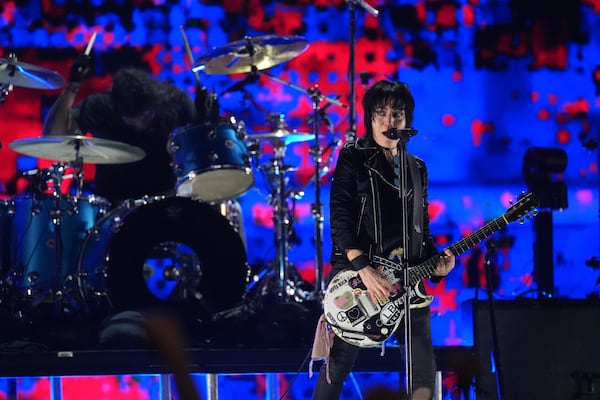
{"x":211,"y":162}
{"x":36,"y":225}
{"x":163,"y":251}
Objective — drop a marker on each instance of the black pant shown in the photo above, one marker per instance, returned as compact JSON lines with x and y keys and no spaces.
{"x":342,"y":356}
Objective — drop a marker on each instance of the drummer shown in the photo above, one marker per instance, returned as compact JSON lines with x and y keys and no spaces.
{"x":136,"y":110}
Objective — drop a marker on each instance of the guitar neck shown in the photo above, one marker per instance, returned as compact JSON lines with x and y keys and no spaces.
{"x":426,"y":269}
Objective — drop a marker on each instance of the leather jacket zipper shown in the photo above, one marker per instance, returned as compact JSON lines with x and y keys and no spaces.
{"x":376,"y":212}
{"x":363,"y":203}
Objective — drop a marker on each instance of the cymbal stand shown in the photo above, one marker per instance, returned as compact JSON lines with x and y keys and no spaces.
{"x":57,"y":215}
{"x":352,"y":62}
{"x":5,"y":89}
{"x":287,"y":286}
{"x":317,"y":207}
{"x":11,"y":68}
{"x":78,"y":174}
{"x":281,"y":218}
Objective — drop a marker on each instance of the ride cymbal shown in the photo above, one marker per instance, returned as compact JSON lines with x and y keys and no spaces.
{"x":67,"y":148}
{"x":260,"y":52}
{"x":16,"y":73}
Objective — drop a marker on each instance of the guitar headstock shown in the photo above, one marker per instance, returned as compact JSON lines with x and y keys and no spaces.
{"x":525,"y":206}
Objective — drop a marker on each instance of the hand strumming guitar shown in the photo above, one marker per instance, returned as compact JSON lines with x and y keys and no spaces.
{"x":377,"y":285}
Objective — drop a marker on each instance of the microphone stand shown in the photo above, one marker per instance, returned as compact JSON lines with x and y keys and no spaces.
{"x":351,"y":61}
{"x":403,"y":190}
{"x":489,"y":256}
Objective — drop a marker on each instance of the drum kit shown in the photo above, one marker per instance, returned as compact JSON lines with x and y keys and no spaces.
{"x":78,"y":253}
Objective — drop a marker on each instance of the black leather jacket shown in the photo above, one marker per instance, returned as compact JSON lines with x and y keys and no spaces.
{"x":355,"y":215}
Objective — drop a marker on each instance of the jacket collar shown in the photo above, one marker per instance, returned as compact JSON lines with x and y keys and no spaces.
{"x":371,"y":152}
{"x":365,"y":143}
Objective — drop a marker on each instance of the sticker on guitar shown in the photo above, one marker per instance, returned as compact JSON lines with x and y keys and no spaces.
{"x":356,"y":319}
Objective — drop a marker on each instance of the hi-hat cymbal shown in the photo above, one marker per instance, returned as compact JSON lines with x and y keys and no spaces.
{"x":18,"y":73}
{"x":261,"y":52}
{"x":91,"y":150}
{"x":282,"y":135}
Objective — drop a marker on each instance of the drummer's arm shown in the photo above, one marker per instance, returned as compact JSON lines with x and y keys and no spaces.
{"x":59,"y":120}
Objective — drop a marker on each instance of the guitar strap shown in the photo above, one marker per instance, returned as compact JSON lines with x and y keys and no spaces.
{"x":416,"y":235}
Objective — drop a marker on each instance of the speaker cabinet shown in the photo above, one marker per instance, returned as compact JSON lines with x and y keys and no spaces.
{"x":544,"y":345}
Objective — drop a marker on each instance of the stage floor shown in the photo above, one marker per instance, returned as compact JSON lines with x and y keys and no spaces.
{"x":276,"y":337}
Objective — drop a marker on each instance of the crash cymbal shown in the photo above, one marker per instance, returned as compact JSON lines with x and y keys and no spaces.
{"x":91,"y":150}
{"x":282,"y":135}
{"x":16,"y":73}
{"x":261,"y":52}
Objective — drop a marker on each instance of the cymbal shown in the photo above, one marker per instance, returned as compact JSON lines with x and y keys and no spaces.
{"x":91,"y":150}
{"x":282,"y":135}
{"x":261,"y":52}
{"x":22,"y":74}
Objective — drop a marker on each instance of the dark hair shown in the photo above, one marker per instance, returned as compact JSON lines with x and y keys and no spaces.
{"x":132,"y":92}
{"x":384,"y":93}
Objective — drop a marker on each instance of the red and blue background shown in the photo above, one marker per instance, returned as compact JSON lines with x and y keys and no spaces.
{"x":490,"y":78}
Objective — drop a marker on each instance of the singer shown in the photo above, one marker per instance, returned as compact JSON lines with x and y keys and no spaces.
{"x":366,"y":220}
{"x":136,"y":110}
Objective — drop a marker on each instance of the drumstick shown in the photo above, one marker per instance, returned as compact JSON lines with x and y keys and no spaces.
{"x":188,"y":50}
{"x":90,"y":44}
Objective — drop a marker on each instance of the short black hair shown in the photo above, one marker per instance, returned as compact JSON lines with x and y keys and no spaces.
{"x":384,"y":93}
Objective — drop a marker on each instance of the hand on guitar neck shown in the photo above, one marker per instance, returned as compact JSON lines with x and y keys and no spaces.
{"x":445,"y":264}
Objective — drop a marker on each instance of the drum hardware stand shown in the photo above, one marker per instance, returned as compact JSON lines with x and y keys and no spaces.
{"x":15,"y":73}
{"x":286,"y":287}
{"x":5,"y":89}
{"x":56,"y":215}
{"x":317,"y":207}
{"x":351,"y":134}
{"x":60,"y":289}
{"x":11,"y":68}
{"x":281,"y":217}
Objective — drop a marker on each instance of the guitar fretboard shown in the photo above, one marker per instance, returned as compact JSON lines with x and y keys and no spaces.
{"x":426,"y":269}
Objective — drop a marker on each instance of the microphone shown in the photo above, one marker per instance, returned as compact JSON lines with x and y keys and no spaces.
{"x":405,"y":133}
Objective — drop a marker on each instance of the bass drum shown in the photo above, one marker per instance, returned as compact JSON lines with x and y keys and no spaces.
{"x":163,"y":251}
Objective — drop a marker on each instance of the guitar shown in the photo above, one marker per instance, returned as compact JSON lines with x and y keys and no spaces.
{"x":356,"y":319}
